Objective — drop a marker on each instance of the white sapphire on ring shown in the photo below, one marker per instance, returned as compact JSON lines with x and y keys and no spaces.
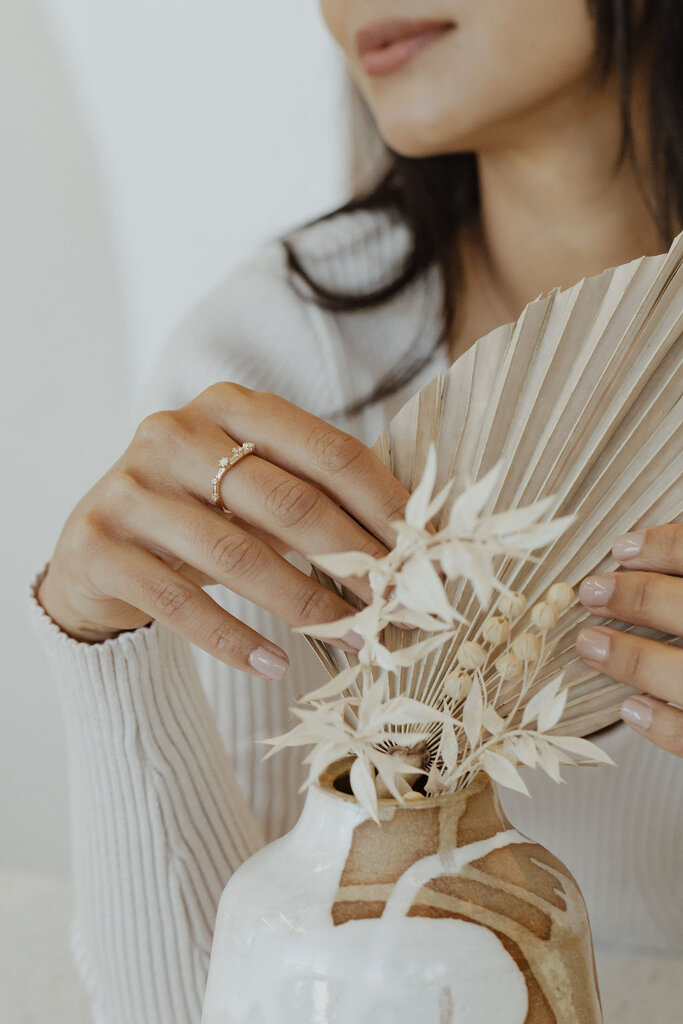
{"x":226,"y":463}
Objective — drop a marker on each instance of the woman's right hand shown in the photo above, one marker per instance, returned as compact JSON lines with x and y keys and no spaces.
{"x":142,"y":543}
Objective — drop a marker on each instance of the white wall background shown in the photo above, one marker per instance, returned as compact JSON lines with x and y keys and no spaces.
{"x":148,"y":147}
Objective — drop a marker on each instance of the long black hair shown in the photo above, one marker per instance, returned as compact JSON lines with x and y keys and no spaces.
{"x":433,"y":195}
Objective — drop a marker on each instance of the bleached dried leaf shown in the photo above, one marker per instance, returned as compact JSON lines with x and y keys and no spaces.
{"x":416,"y":509}
{"x":438,"y":500}
{"x":448,"y":747}
{"x":336,"y":684}
{"x":371,"y":701}
{"x":363,"y":786}
{"x":551,"y":712}
{"x":541,"y":534}
{"x":549,"y":761}
{"x":471,"y":501}
{"x":419,"y":587}
{"x":492,"y":721}
{"x":408,"y":711}
{"x":525,"y":750}
{"x":321,"y":758}
{"x":583,"y":748}
{"x":541,"y":699}
{"x":409,"y":655}
{"x":500,"y":770}
{"x":515,"y":520}
{"x":344,"y":563}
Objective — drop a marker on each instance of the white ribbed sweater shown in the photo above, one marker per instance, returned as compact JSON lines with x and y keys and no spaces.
{"x":168,"y":791}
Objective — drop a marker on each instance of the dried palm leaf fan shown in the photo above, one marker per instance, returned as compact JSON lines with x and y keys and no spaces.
{"x":581,"y":399}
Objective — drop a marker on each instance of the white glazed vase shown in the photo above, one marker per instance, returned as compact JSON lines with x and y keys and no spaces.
{"x":442,"y":914}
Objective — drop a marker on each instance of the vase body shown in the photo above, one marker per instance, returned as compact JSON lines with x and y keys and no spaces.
{"x":442,"y":914}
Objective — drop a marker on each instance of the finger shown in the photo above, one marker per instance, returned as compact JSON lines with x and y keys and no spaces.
{"x":654,"y":547}
{"x":660,"y":723}
{"x":225,"y":553}
{"x":635,"y":660}
{"x":643,"y":598}
{"x":309,"y":447}
{"x":145,"y":582}
{"x":277,"y":503}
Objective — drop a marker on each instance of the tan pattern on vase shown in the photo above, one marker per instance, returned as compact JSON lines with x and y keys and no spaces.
{"x":519,"y":891}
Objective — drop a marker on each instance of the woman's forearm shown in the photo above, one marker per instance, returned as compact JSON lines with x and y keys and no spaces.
{"x":158,"y":820}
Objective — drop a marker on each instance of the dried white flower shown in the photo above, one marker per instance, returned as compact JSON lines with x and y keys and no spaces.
{"x":527,"y":646}
{"x":479,"y":715}
{"x":512,"y":605}
{"x":561,"y":595}
{"x":471,"y":654}
{"x":496,"y":629}
{"x":544,"y":615}
{"x":509,"y":666}
{"x":457,"y":684}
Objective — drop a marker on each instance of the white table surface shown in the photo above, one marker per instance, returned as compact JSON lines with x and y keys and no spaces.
{"x":38,"y":984}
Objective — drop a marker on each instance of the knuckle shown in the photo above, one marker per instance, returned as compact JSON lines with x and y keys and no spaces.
{"x":312,"y":605}
{"x":221,"y":640}
{"x":225,"y":392}
{"x":371,"y":547}
{"x":293,"y":501}
{"x":122,"y":487}
{"x":236,"y":555}
{"x":335,"y":450}
{"x":170,"y":598}
{"x":156,"y":427}
{"x":635,"y":660}
{"x":672,"y":545}
{"x":394,"y":508}
{"x":89,"y":537}
{"x":641,"y":592}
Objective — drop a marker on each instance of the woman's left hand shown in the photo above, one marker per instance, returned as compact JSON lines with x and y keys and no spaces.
{"x":649,"y":594}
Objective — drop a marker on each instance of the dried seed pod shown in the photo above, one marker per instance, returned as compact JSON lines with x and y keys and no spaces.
{"x":496,"y":629}
{"x":512,"y":605}
{"x":457,"y":684}
{"x":561,"y":595}
{"x":544,"y":615}
{"x":509,"y":666}
{"x":527,"y":646}
{"x":470,"y":654}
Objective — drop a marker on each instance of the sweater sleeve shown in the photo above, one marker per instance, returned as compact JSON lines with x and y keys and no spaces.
{"x":158,"y":820}
{"x":161,"y":812}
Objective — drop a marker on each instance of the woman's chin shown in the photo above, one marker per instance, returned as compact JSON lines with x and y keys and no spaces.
{"x":418,"y":140}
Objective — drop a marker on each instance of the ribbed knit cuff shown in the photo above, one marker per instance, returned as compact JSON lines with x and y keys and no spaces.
{"x":158,"y":820}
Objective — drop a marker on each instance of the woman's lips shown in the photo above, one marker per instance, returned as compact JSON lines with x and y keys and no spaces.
{"x":388,"y":45}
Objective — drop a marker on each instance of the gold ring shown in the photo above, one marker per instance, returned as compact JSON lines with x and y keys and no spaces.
{"x":227,"y":463}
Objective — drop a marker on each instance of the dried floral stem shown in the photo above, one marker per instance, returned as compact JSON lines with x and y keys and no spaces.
{"x":367,"y":710}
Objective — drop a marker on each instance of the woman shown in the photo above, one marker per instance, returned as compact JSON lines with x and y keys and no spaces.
{"x":532,"y":144}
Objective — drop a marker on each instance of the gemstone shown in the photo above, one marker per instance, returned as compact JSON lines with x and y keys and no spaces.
{"x":224,"y":462}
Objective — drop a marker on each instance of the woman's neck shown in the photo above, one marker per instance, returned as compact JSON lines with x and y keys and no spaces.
{"x":552,"y":211}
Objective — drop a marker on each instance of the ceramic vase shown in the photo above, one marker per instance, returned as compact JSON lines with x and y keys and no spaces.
{"x":441,"y":914}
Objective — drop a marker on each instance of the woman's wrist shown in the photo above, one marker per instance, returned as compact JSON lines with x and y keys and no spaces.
{"x":57,"y":610}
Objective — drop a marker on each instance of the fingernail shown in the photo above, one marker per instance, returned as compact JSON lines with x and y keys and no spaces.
{"x":268,"y":663}
{"x":636,"y":712}
{"x":596,"y":590}
{"x":629,"y":545}
{"x":593,"y":643}
{"x":353,"y":639}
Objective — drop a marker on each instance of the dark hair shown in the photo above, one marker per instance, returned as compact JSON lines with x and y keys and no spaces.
{"x":433,"y":195}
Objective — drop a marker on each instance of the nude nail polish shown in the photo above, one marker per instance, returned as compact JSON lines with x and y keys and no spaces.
{"x":268,"y":663}
{"x":636,"y":712}
{"x":629,"y":545}
{"x":596,"y":590}
{"x":593,"y":643}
